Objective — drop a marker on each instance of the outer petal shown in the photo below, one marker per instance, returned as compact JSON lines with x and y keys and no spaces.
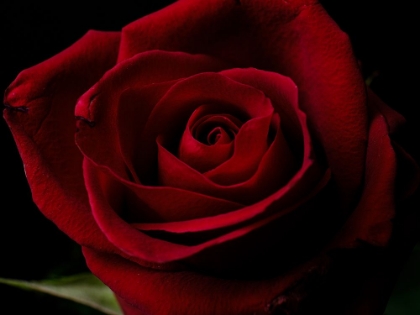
{"x":408,"y":174}
{"x":294,"y":38}
{"x":371,"y":220}
{"x":143,"y":247}
{"x":143,"y":291}
{"x":40,"y":112}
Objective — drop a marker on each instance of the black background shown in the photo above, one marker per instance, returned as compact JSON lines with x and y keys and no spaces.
{"x":31,"y":247}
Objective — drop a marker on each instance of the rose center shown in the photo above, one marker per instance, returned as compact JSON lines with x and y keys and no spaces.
{"x":216,"y":129}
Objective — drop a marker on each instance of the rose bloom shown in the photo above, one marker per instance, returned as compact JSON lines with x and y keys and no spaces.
{"x":218,"y":157}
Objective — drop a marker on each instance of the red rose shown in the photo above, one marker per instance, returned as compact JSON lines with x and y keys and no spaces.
{"x":228,"y":159}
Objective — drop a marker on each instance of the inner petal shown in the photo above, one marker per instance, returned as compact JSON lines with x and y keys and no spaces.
{"x":218,"y":128}
{"x":214,"y":136}
{"x":249,"y":147}
{"x":207,"y":140}
{"x":171,"y":114}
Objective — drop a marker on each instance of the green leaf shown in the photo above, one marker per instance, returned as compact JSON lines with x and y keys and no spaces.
{"x":405,"y":299}
{"x":84,"y":288}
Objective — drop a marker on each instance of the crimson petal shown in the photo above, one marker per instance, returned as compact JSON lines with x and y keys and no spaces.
{"x":44,"y":131}
{"x":139,"y":288}
{"x":137,"y":77}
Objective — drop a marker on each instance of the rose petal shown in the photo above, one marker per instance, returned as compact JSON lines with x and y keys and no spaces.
{"x":145,"y":248}
{"x":251,"y":143}
{"x":283,"y":94}
{"x":157,"y":203}
{"x":201,"y":156}
{"x":215,"y":18}
{"x":371,"y":220}
{"x":139,"y":289}
{"x":130,"y":123}
{"x":408,"y":175}
{"x":274,"y":169}
{"x":181,"y":100}
{"x":136,"y":77}
{"x":41,"y":118}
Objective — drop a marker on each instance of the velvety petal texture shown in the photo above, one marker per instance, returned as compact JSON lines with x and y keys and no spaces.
{"x":140,"y":289}
{"x":218,"y":157}
{"x":40,"y":113}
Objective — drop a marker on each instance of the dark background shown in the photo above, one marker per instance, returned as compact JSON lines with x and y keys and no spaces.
{"x":31,"y":247}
